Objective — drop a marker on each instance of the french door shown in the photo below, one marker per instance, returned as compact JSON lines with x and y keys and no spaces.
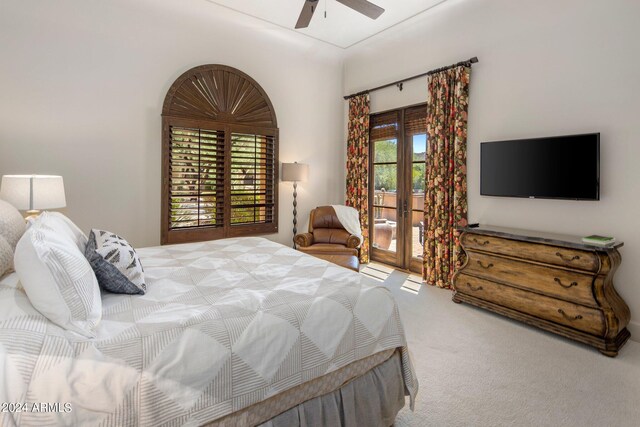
{"x":398,"y":144}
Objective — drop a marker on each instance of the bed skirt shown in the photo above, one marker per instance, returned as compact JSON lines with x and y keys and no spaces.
{"x":368,"y":392}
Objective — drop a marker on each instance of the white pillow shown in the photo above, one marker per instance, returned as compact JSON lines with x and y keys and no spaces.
{"x":63,"y":225}
{"x":58,"y":279}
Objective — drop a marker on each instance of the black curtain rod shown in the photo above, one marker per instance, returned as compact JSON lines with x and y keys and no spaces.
{"x":399,"y":82}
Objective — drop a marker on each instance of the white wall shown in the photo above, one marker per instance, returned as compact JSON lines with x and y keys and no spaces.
{"x":546,"y":68}
{"x":82,"y":84}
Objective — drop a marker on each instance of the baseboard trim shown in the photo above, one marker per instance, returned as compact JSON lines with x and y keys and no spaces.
{"x":634,"y":328}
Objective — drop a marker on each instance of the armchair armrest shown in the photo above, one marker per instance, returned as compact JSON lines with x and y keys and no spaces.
{"x":303,"y":240}
{"x":353,"y":241}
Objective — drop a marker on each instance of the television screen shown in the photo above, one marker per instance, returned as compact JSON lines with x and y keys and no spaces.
{"x":562,"y":167}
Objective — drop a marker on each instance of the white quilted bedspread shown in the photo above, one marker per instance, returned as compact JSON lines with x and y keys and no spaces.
{"x":224,"y":324}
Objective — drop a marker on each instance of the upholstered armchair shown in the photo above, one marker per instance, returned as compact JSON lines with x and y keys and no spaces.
{"x":326,"y":235}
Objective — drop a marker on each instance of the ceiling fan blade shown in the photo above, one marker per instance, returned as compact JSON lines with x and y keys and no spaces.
{"x":363,"y":6}
{"x":306,"y":14}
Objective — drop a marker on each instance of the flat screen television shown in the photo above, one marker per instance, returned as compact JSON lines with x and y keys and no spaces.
{"x":560,"y":167}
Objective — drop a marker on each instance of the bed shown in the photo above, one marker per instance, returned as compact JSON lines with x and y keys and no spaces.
{"x":239,"y":331}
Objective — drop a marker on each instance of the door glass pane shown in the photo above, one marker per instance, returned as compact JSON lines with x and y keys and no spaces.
{"x":385,"y":179}
{"x":419,"y":146}
{"x":418,"y":180}
{"x":417,"y":233}
{"x":417,"y":204}
{"x":385,"y":151}
{"x":384,"y":229}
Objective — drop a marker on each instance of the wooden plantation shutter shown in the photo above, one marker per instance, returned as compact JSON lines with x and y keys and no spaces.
{"x":252,"y":178}
{"x":219,"y":157}
{"x":196,"y":188}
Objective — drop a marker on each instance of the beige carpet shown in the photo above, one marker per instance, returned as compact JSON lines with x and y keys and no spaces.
{"x":479,"y":369}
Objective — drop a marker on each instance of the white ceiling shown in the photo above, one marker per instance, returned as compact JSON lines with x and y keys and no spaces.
{"x":343,"y":27}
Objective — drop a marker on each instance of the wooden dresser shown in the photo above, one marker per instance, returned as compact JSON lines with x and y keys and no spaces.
{"x":554,"y":282}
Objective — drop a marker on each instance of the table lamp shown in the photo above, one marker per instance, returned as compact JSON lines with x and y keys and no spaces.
{"x":33,"y":193}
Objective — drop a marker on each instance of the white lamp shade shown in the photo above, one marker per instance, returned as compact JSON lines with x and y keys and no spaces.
{"x":33,"y":192}
{"x":295,"y":172}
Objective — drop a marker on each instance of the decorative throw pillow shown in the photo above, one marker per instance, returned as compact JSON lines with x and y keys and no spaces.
{"x":58,"y":279}
{"x":6,"y":257}
{"x":12,"y":224}
{"x":63,"y":225}
{"x":115,"y":263}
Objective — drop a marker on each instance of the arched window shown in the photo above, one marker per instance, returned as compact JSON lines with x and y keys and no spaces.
{"x":219,"y":157}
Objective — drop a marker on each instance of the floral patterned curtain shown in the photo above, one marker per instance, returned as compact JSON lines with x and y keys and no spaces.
{"x":358,"y":165}
{"x":445,"y":205}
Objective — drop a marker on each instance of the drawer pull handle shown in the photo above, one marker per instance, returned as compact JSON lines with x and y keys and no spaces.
{"x":570,"y":285}
{"x":566,"y":259}
{"x":476,"y":241}
{"x":561,"y":311}
{"x":488,"y":266}
{"x":474,"y":288}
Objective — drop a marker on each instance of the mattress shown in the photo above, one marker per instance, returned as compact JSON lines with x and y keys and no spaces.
{"x":224,"y":325}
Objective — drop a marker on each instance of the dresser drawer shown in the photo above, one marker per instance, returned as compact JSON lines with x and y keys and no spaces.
{"x":565,"y":257}
{"x":568,"y":285}
{"x":575,"y":316}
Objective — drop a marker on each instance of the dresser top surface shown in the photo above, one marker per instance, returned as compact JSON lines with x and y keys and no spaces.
{"x":563,"y":240}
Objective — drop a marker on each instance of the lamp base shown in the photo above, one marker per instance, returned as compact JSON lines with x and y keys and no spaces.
{"x":32,"y":214}
{"x":295,"y":213}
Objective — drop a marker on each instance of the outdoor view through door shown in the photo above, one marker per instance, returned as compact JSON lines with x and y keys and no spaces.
{"x":398,"y":141}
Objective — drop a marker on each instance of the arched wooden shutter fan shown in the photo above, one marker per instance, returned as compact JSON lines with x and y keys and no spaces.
{"x":219,"y":93}
{"x":220,"y":157}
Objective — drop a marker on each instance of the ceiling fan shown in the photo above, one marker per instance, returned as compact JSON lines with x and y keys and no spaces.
{"x":363,"y":6}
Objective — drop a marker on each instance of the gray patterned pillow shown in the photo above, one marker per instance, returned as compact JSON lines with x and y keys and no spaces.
{"x":115,"y":263}
{"x":6,"y":257}
{"x":12,"y":225}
